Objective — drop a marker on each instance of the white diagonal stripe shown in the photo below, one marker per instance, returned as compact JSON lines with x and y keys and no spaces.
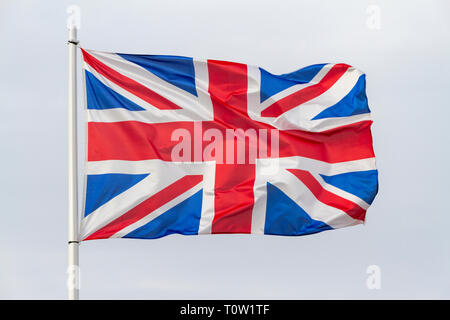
{"x":157,"y":212}
{"x":298,"y":192}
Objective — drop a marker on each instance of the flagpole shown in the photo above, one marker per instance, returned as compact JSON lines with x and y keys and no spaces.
{"x":73,"y":267}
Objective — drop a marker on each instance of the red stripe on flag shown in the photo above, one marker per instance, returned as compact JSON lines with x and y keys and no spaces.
{"x":129,"y":84}
{"x":234,"y":198}
{"x":147,"y":206}
{"x":346,"y":143}
{"x":132,"y":140}
{"x":291,"y":101}
{"x":327,"y":197}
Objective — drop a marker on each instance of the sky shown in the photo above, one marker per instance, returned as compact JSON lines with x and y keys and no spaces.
{"x":402,"y":46}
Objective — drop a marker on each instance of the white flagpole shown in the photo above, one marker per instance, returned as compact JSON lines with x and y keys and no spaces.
{"x":73,"y":268}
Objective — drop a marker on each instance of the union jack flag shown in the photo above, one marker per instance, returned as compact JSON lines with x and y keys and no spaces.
{"x":310,"y":168}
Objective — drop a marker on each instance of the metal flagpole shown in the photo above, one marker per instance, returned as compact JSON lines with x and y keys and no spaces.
{"x":73,"y":268}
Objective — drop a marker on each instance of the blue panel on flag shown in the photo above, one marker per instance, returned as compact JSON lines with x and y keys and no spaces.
{"x":285,"y":217}
{"x":272,"y":84}
{"x":99,"y":96}
{"x":355,"y":102}
{"x":100,"y":188}
{"x":363,"y":184}
{"x":184,"y":218}
{"x":178,"y":71}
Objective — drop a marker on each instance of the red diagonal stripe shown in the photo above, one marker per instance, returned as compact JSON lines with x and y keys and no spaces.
{"x":129,"y":84}
{"x":327,"y":197}
{"x":291,"y":101}
{"x":147,"y":206}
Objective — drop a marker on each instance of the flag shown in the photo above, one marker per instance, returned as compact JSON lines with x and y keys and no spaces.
{"x":191,"y":146}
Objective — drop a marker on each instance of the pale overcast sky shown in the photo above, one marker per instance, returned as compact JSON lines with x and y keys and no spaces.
{"x":406,"y":234}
